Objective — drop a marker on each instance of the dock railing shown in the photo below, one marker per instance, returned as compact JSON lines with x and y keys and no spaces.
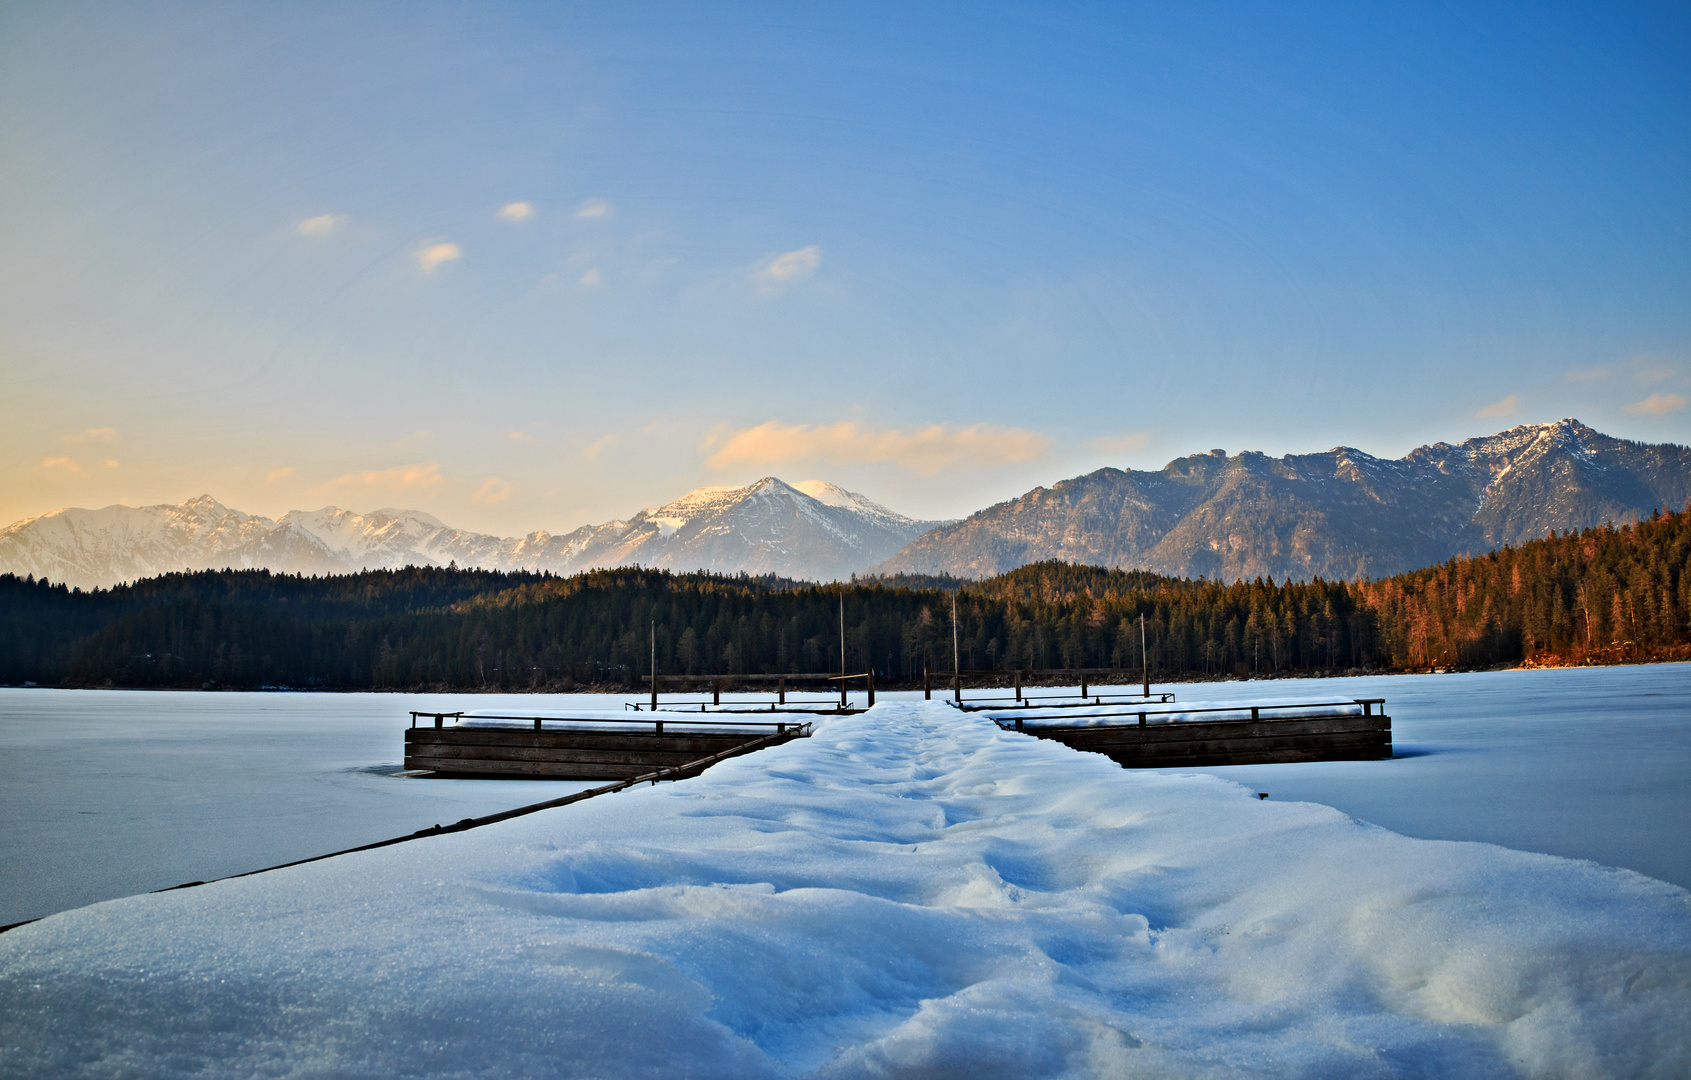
{"x":780,"y":727}
{"x":783,"y":685}
{"x":1020,"y":679}
{"x":1287,"y":712}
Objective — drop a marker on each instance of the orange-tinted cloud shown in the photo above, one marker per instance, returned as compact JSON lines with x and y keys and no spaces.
{"x":923,"y":450}
{"x":1658,"y":404}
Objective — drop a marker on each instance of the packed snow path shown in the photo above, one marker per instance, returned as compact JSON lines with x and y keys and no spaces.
{"x":908,"y":892}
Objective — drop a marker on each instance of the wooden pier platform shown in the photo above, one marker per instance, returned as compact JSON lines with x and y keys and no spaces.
{"x":582,"y":748}
{"x":1269,"y":734}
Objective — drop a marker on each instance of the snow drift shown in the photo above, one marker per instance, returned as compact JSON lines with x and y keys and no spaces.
{"x":909,"y":892}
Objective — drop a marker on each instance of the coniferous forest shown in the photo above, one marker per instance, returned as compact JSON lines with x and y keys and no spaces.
{"x":1604,"y":595}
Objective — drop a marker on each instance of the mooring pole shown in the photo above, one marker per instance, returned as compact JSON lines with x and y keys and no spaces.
{"x":927,"y":684}
{"x":956,"y":655}
{"x":654,"y":665}
{"x":1144,"y":657}
{"x":871,"y":678}
{"x":1018,"y":682}
{"x":843,"y":700}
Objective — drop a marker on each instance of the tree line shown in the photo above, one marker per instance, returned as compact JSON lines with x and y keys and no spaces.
{"x":1601,"y":595}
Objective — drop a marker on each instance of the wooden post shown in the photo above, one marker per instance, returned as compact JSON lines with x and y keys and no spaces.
{"x":957,"y":686}
{"x":843,"y":699}
{"x":439,"y":720}
{"x":1018,"y":684}
{"x":659,"y":728}
{"x":927,"y":684}
{"x":1082,"y":682}
{"x":781,"y":689}
{"x":1144,"y":657}
{"x":537,"y":723}
{"x":716,"y":691}
{"x":956,"y":653}
{"x":654,"y":665}
{"x":1141,"y":719}
{"x":871,"y":678}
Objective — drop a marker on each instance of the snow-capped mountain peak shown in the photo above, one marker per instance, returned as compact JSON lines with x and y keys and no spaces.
{"x":765,"y":527}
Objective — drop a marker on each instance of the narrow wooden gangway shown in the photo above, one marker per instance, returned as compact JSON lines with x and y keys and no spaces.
{"x":583,"y":748}
{"x":1153,"y":738}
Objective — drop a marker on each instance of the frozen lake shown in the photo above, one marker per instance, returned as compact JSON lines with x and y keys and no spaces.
{"x":110,"y":793}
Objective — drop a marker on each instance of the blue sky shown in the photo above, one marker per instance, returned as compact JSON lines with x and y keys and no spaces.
{"x":536,"y":266}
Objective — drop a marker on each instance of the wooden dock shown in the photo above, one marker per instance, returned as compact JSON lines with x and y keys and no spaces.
{"x":582,"y":748}
{"x":1270,"y":734}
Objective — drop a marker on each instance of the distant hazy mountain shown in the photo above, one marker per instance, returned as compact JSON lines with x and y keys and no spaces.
{"x":1336,"y":515}
{"x":811,"y":530}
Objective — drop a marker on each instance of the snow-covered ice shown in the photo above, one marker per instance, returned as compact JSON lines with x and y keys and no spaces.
{"x":909,"y":892}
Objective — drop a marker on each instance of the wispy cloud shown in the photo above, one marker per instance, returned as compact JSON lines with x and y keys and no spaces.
{"x":1588,"y":375}
{"x":1658,"y":404}
{"x":597,"y":447}
{"x":518,"y":436}
{"x":922,"y":450}
{"x":1121,"y":444}
{"x":492,"y":490}
{"x":63,"y":464}
{"x":516,"y":211}
{"x":278,"y":474}
{"x":321,"y":225}
{"x":109,"y":463}
{"x":423,"y":476}
{"x":412,"y":439}
{"x":593,"y":208}
{"x":787,"y":267}
{"x":431,"y":256}
{"x":590,"y":278}
{"x":93,"y":434}
{"x":1499,"y":408}
{"x":1654,"y":374}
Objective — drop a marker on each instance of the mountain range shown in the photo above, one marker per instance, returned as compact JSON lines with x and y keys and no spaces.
{"x":1338,"y":515}
{"x":809,"y":530}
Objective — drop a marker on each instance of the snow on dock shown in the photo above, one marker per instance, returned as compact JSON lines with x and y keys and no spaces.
{"x":910,"y":891}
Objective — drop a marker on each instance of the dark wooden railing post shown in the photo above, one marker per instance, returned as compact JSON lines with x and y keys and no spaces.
{"x":871,"y":678}
{"x":957,"y":686}
{"x":1018,"y":684}
{"x":781,"y":689}
{"x":716,"y":691}
{"x":927,"y":684}
{"x":1082,"y":682}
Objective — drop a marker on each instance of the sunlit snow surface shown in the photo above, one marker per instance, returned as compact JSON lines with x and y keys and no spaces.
{"x":908,"y":892}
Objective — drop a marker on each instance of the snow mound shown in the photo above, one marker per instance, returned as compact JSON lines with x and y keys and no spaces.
{"x":910,"y":892}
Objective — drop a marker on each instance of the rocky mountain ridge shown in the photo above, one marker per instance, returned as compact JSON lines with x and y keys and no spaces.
{"x":1338,"y":515}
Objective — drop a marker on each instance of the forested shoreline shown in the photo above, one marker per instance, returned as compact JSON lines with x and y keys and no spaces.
{"x":1604,"y":595}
